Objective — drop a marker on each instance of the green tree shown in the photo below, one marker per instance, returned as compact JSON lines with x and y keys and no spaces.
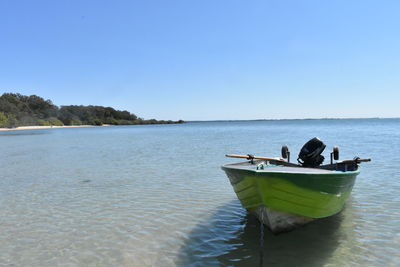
{"x":21,"y":110}
{"x":12,"y":121}
{"x":3,"y":120}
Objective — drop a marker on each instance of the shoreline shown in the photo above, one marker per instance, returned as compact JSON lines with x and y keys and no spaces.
{"x":21,"y":128}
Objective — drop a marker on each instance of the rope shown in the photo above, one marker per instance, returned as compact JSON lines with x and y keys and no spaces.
{"x":261,"y":243}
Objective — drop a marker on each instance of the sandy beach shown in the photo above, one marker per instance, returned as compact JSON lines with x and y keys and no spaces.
{"x":21,"y":128}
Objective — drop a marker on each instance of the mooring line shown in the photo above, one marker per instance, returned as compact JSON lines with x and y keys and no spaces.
{"x":261,"y":243}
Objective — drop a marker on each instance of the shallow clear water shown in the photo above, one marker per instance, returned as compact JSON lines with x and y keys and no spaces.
{"x":156,"y":196}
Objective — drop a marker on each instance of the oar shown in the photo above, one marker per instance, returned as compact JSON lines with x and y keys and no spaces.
{"x":249,"y":157}
{"x":356,"y":160}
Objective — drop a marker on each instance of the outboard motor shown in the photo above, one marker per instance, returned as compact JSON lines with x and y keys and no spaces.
{"x":310,"y":153}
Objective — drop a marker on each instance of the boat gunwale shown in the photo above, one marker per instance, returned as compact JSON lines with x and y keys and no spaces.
{"x":264,"y":171}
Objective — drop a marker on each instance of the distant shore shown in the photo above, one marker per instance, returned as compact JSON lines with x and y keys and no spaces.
{"x":20,"y":128}
{"x":18,"y":110}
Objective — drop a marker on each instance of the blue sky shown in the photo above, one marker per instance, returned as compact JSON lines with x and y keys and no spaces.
{"x":207,"y":60}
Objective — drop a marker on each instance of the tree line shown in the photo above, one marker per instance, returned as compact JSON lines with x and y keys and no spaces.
{"x":20,"y":110}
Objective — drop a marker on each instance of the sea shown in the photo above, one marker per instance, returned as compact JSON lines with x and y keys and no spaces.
{"x":155,"y":195}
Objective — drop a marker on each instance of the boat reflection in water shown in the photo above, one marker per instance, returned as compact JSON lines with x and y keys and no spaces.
{"x":232,"y":238}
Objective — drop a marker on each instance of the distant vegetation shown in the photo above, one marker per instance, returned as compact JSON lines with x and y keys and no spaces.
{"x":20,"y":110}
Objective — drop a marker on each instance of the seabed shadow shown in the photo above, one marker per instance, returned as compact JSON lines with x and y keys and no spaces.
{"x":231,"y":237}
{"x":23,"y":132}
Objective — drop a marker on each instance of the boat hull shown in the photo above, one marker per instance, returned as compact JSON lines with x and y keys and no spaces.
{"x":276,"y":193}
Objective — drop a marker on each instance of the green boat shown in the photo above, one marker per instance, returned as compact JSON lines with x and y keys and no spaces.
{"x":285,"y":195}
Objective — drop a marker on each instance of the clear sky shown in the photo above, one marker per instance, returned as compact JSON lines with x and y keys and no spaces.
{"x":207,"y":60}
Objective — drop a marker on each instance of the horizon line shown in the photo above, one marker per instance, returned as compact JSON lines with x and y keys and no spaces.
{"x":353,"y":118}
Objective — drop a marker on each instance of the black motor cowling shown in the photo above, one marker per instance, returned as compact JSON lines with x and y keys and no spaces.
{"x":310,"y":153}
